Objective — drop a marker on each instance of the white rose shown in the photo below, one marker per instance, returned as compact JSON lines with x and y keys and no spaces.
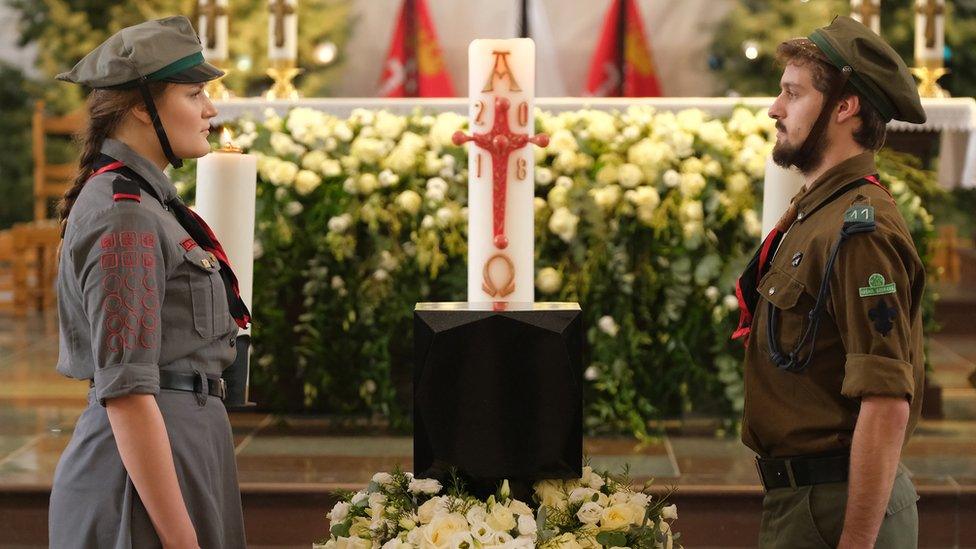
{"x":549,"y":280}
{"x":730,"y":302}
{"x":367,"y":183}
{"x":424,"y":486}
{"x":389,"y":125}
{"x":382,"y":478}
{"x":359,"y":497}
{"x":607,"y":197}
{"x":397,"y":543}
{"x":431,"y":508}
{"x":444,"y":216}
{"x":671,"y":178}
{"x":712,"y":293}
{"x":340,"y":223}
{"x":563,"y":224}
{"x":565,"y":182}
{"x":444,"y":127}
{"x":644,"y":197}
{"x":590,"y":513}
{"x":410,"y":201}
{"x":284,"y":146}
{"x":353,"y":542}
{"x":562,"y":141}
{"x":591,"y":478}
{"x":581,"y":494}
{"x":617,"y":517}
{"x":566,"y":541}
{"x":293,"y":208}
{"x":608,"y":325}
{"x":330,"y":168}
{"x":427,"y":222}
{"x":342,"y":131}
{"x":482,"y":532}
{"x":692,"y":210}
{"x":339,"y":512}
{"x":527,"y":526}
{"x":738,"y":183}
{"x":501,"y":518}
{"x":566,"y":161}
{"x":284,"y":173}
{"x":442,"y":528}
{"x":306,"y":181}
{"x":690,"y":119}
{"x":629,"y":175}
{"x":602,"y":125}
{"x":551,"y":494}
{"x":368,"y":149}
{"x":591,"y":373}
{"x":713,"y":133}
{"x":558,"y":196}
{"x":476,"y":514}
{"x":543,"y":176}
{"x":669,"y":512}
{"x":692,"y":184}
{"x":538,"y":204}
{"x":388,"y":178}
{"x":519,"y":507}
{"x":436,"y":189}
{"x":313,"y":160}
{"x":606,"y":175}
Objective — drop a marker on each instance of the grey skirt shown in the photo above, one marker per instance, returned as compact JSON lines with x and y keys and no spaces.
{"x":94,"y":504}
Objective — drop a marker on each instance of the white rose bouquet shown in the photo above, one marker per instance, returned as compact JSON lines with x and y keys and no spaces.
{"x":398,"y":511}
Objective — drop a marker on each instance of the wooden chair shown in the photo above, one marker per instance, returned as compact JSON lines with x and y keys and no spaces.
{"x":28,"y":251}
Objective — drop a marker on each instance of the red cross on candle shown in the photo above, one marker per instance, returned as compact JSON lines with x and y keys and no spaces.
{"x":500,"y":142}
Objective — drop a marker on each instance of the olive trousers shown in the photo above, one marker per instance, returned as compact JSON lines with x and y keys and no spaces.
{"x":813,"y":516}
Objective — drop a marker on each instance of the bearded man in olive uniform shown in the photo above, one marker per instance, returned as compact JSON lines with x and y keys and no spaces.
{"x":831,"y":306}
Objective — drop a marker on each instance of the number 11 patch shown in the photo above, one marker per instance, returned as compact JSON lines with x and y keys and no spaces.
{"x":859,"y":213}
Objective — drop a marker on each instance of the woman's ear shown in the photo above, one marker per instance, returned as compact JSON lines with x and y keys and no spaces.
{"x":141,"y":113}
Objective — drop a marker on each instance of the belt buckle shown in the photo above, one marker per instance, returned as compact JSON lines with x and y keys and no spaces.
{"x":222,"y":388}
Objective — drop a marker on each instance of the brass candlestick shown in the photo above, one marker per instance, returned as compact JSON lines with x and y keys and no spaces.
{"x":282,"y":71}
{"x":215,"y":89}
{"x":928,"y":76}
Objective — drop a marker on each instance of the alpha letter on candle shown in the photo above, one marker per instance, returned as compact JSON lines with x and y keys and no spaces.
{"x":500,"y":211}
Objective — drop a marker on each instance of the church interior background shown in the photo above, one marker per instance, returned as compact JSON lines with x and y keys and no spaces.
{"x":361,"y":213}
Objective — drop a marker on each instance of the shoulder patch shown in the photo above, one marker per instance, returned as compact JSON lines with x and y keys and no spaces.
{"x":126,"y":189}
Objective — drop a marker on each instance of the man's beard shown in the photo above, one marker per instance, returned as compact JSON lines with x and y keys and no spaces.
{"x":785,"y":155}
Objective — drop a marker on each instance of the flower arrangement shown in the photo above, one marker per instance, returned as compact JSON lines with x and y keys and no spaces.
{"x":398,"y":511}
{"x":645,"y":217}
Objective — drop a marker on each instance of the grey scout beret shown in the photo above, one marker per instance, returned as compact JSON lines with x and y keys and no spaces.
{"x":160,"y":50}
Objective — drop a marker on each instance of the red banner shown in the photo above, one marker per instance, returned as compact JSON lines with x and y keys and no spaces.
{"x":414,"y":64}
{"x":638,"y":75}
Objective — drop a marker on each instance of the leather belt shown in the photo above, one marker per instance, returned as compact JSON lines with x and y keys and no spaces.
{"x":802,"y":471}
{"x":192,"y":383}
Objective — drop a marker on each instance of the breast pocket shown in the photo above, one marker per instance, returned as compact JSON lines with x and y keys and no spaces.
{"x":787,"y":295}
{"x":210,"y":310}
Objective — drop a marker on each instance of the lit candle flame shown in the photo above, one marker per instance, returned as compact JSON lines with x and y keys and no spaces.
{"x":227,"y":141}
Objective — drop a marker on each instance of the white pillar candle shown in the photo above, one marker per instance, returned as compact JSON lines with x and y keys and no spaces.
{"x":287,"y":12}
{"x":779,"y":187}
{"x":226,"y":191}
{"x":929,"y":31}
{"x":213,"y":19}
{"x":867,"y":12}
{"x":501,"y":218}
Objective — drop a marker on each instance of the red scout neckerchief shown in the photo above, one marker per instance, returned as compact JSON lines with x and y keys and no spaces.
{"x":199,"y":231}
{"x":746,"y":285}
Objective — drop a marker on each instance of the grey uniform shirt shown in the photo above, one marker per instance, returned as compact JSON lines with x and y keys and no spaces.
{"x":136,"y":293}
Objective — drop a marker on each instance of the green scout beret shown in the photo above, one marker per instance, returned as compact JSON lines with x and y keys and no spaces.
{"x":879,"y":73}
{"x":161,"y":50}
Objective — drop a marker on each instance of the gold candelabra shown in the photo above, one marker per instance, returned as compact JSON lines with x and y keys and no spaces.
{"x":928,"y":78}
{"x":282,"y":71}
{"x":215,"y":89}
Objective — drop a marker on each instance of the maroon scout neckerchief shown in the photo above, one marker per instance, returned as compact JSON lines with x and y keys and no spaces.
{"x":747,"y":284}
{"x":197,"y":228}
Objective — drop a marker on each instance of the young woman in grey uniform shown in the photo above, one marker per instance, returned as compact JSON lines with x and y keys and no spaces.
{"x":149,"y":311}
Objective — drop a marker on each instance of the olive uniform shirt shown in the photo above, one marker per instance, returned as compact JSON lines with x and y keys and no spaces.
{"x":869,"y":341}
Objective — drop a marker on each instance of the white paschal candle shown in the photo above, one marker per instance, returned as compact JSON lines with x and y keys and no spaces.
{"x":779,"y":187}
{"x":226,"y":190}
{"x":501,"y":267}
{"x":287,"y":10}
{"x":929,"y":18}
{"x":216,"y":11}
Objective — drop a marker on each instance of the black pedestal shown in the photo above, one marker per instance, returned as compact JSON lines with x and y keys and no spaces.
{"x":498,"y":394}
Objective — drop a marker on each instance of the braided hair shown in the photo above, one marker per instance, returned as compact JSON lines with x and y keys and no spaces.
{"x":106,"y":108}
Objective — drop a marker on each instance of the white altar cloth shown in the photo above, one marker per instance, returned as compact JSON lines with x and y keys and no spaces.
{"x":954,"y":119}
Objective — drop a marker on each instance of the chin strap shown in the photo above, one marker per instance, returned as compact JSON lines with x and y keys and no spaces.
{"x":823,"y":119}
{"x":158,"y":124}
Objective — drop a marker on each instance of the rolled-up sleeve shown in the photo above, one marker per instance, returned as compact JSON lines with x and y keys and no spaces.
{"x":120,"y":266}
{"x":873,"y":305}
